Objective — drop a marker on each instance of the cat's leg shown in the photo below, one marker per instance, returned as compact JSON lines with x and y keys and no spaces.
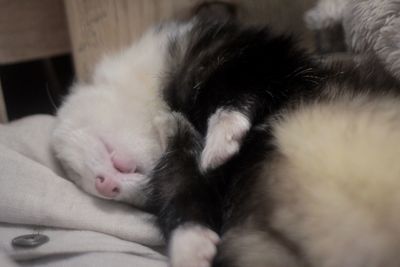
{"x":186,"y":204}
{"x":192,"y":245}
{"x":225,"y":132}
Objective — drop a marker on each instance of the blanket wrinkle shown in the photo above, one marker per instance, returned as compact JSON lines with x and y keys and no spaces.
{"x":33,"y":193}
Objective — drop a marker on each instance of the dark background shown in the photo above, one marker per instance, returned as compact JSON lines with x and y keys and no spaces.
{"x":36,"y":86}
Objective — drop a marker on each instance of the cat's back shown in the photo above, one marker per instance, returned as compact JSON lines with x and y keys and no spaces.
{"x":335,"y":180}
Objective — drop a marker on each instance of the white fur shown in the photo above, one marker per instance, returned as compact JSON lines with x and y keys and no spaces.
{"x":226,"y":129}
{"x":116,"y":109}
{"x":325,"y":14}
{"x":192,"y":245}
{"x":336,"y":182}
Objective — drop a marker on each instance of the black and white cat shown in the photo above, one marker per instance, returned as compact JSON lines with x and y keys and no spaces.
{"x":326,"y":193}
{"x":250,"y":127}
{"x":112,"y":130}
{"x":225,"y":80}
{"x":313,"y":182}
{"x":108,"y":135}
{"x":215,"y":78}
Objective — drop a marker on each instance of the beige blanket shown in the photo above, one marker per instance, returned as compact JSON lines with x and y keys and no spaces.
{"x":83,"y":230}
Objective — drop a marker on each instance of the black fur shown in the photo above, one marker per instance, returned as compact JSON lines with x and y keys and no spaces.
{"x":244,"y":68}
{"x":247,"y":69}
{"x":178,"y":191}
{"x":214,"y":65}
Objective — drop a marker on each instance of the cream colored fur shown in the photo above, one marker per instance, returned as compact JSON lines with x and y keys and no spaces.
{"x":335,"y":183}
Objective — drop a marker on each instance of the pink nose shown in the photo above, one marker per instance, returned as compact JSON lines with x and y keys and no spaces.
{"x":123,"y":163}
{"x":107,"y":186}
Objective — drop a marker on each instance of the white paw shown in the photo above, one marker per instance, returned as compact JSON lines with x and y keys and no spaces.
{"x":226,"y":129}
{"x":193,"y":246}
{"x":326,"y":14}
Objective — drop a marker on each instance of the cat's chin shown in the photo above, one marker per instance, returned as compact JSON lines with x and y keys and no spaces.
{"x":132,"y":189}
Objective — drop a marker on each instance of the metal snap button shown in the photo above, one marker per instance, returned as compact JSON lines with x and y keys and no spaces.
{"x":29,"y":241}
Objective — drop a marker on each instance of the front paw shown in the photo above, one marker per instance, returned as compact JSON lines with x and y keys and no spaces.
{"x":226,"y":130}
{"x":193,"y":246}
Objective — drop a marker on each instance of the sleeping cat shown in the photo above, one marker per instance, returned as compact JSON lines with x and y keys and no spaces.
{"x":250,"y":127}
{"x":326,"y":195}
{"x":109,"y":134}
{"x":305,"y":187}
{"x":220,"y":72}
{"x":112,"y":130}
{"x":216,"y":79}
{"x":314,"y":185}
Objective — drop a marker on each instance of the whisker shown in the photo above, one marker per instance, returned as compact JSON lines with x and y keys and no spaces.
{"x":51,"y":98}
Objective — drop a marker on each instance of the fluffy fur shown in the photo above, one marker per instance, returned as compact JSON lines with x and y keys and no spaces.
{"x":340,"y":169}
{"x":110,"y":128}
{"x":225,"y":79}
{"x":327,"y":194}
{"x":111,"y":131}
{"x":325,"y":14}
{"x":287,"y":193}
{"x":252,"y":201}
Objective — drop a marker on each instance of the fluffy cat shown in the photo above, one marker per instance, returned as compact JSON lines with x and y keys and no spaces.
{"x":313,"y":185}
{"x":110,"y":130}
{"x":216,"y":80}
{"x":250,"y":126}
{"x":325,"y":195}
{"x":269,"y":204}
{"x":225,"y":80}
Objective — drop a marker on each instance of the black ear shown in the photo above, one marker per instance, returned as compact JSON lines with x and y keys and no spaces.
{"x":216,"y":11}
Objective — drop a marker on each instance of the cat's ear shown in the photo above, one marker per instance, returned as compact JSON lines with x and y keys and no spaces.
{"x":217,"y":11}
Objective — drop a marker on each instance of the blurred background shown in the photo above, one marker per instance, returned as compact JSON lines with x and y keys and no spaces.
{"x":45,"y":45}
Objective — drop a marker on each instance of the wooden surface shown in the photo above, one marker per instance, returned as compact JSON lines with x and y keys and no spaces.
{"x":102,"y":26}
{"x":3,"y":113}
{"x":31,"y":29}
